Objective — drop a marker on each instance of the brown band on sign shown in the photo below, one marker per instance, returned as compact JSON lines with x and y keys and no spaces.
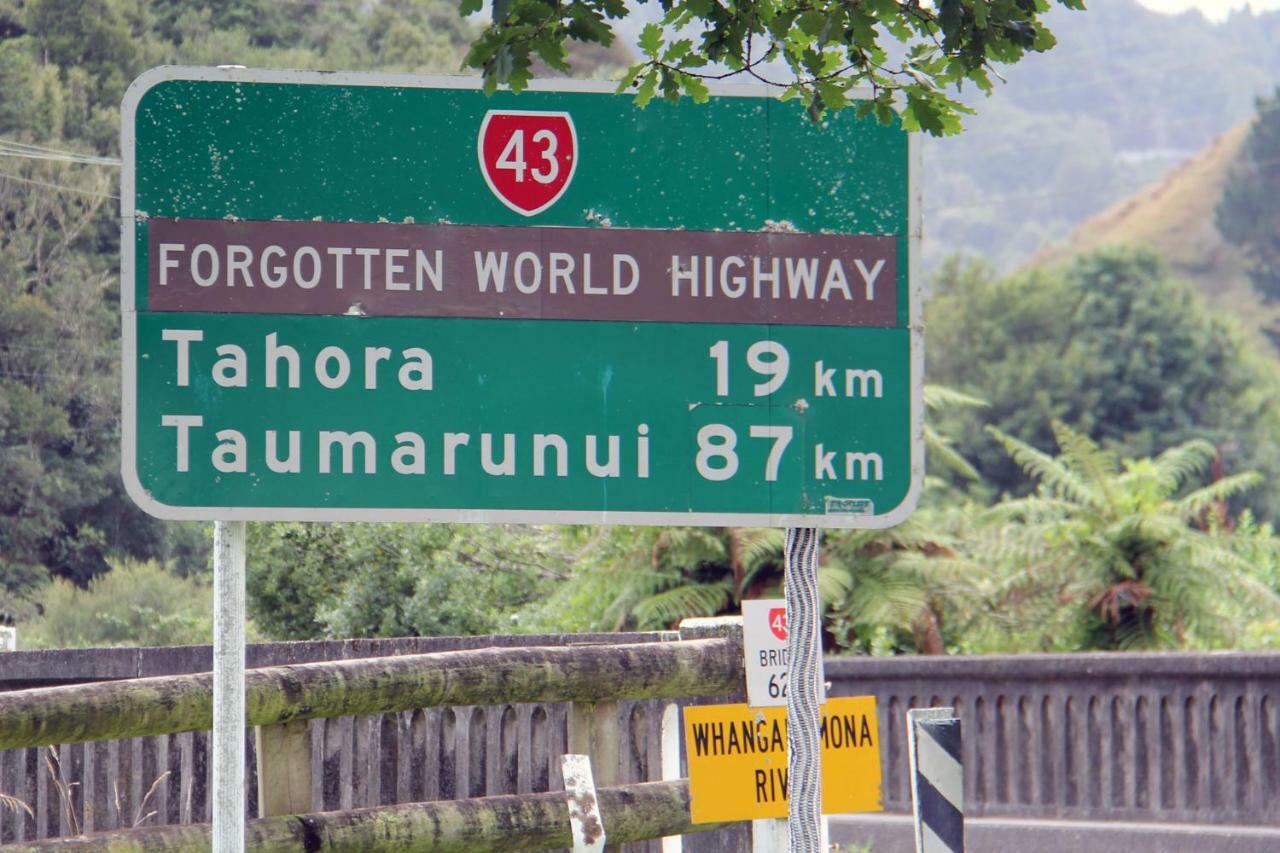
{"x":408,"y":270}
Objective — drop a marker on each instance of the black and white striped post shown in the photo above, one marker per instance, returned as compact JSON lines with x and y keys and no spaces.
{"x":937,"y":779}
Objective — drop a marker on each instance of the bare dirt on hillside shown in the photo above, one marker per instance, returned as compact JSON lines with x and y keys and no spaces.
{"x":1175,"y":218}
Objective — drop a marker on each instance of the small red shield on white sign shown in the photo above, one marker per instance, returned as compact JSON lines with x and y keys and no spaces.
{"x":527,"y":158}
{"x":778,"y":622}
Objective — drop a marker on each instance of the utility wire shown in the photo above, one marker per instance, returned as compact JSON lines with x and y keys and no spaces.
{"x":13,"y":148}
{"x":58,"y":186}
{"x":86,"y":161}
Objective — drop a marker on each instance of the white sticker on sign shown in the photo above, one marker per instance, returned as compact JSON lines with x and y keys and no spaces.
{"x":764,"y":640}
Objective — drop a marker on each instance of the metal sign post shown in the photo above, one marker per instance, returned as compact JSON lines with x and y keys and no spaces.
{"x":804,"y":691}
{"x":228,"y":686}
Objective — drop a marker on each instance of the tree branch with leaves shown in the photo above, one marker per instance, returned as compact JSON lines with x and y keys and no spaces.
{"x":910,"y":57}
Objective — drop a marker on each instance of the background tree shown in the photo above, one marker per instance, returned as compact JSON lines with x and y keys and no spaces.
{"x":1110,"y":345}
{"x":1249,"y":212}
{"x":309,"y":581}
{"x":134,"y":604}
{"x":907,"y":53}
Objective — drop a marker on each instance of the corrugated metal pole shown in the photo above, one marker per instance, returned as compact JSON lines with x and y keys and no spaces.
{"x":228,"y":686}
{"x":804,"y":691}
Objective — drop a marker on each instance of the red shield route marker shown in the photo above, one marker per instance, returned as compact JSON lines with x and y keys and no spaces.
{"x":778,"y":622}
{"x":527,"y":158}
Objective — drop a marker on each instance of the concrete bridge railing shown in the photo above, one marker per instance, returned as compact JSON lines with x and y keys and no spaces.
{"x":1190,"y":738}
{"x":1151,"y":738}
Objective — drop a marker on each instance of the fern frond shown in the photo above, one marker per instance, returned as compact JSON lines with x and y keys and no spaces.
{"x":1081,"y":454}
{"x":882,"y":599}
{"x":1053,"y":474}
{"x":688,"y":547}
{"x":834,"y":586}
{"x":1014,"y":544}
{"x":1033,"y":508}
{"x":1179,"y":464}
{"x":670,"y":606}
{"x":940,"y":397}
{"x":1194,"y":504}
{"x":940,"y":452}
{"x":760,"y":544}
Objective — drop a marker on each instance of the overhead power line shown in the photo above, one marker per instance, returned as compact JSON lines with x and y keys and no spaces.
{"x":47,"y":185}
{"x":13,"y":148}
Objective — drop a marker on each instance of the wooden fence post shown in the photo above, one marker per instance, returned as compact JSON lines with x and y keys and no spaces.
{"x":284,"y":769}
{"x":594,"y":732}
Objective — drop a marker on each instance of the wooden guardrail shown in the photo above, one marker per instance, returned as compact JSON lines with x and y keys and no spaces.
{"x":277,"y":695}
{"x":280,"y":699}
{"x":486,"y":825}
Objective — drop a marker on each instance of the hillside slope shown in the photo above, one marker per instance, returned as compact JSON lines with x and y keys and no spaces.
{"x":1175,"y":218}
{"x":1126,"y":94}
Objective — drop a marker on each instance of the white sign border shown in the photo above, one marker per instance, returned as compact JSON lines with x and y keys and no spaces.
{"x":129,"y":399}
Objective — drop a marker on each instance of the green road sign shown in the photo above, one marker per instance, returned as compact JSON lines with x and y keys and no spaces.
{"x":383,"y":297}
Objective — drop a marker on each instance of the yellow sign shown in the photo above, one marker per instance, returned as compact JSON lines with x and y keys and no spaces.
{"x":738,"y":760}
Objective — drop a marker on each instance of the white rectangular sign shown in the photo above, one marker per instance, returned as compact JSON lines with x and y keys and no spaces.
{"x":764,"y":641}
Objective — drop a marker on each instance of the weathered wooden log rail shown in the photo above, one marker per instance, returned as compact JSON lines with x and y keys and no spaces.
{"x":276,"y":695}
{"x":485,"y":825}
{"x":279,"y":699}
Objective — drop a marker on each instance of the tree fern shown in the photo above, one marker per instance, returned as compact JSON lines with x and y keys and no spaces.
{"x":1117,"y":541}
{"x":1094,"y":466}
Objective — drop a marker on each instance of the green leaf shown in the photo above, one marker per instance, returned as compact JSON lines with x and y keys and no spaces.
{"x":651,"y":40}
{"x":552,"y":53}
{"x":695,"y":88}
{"x":931,"y":112}
{"x":812,"y":22}
{"x":833,"y":95}
{"x":629,"y":79}
{"x":676,"y":51}
{"x":648,"y":87}
{"x":795,"y":90}
{"x":518,"y":79}
{"x":469,"y":7}
{"x":669,"y":83}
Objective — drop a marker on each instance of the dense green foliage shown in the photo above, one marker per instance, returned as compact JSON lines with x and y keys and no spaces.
{"x":907,"y":54}
{"x":395,"y":580}
{"x":1249,"y":212}
{"x":1112,"y":346}
{"x":134,"y":604}
{"x":1110,"y":553}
